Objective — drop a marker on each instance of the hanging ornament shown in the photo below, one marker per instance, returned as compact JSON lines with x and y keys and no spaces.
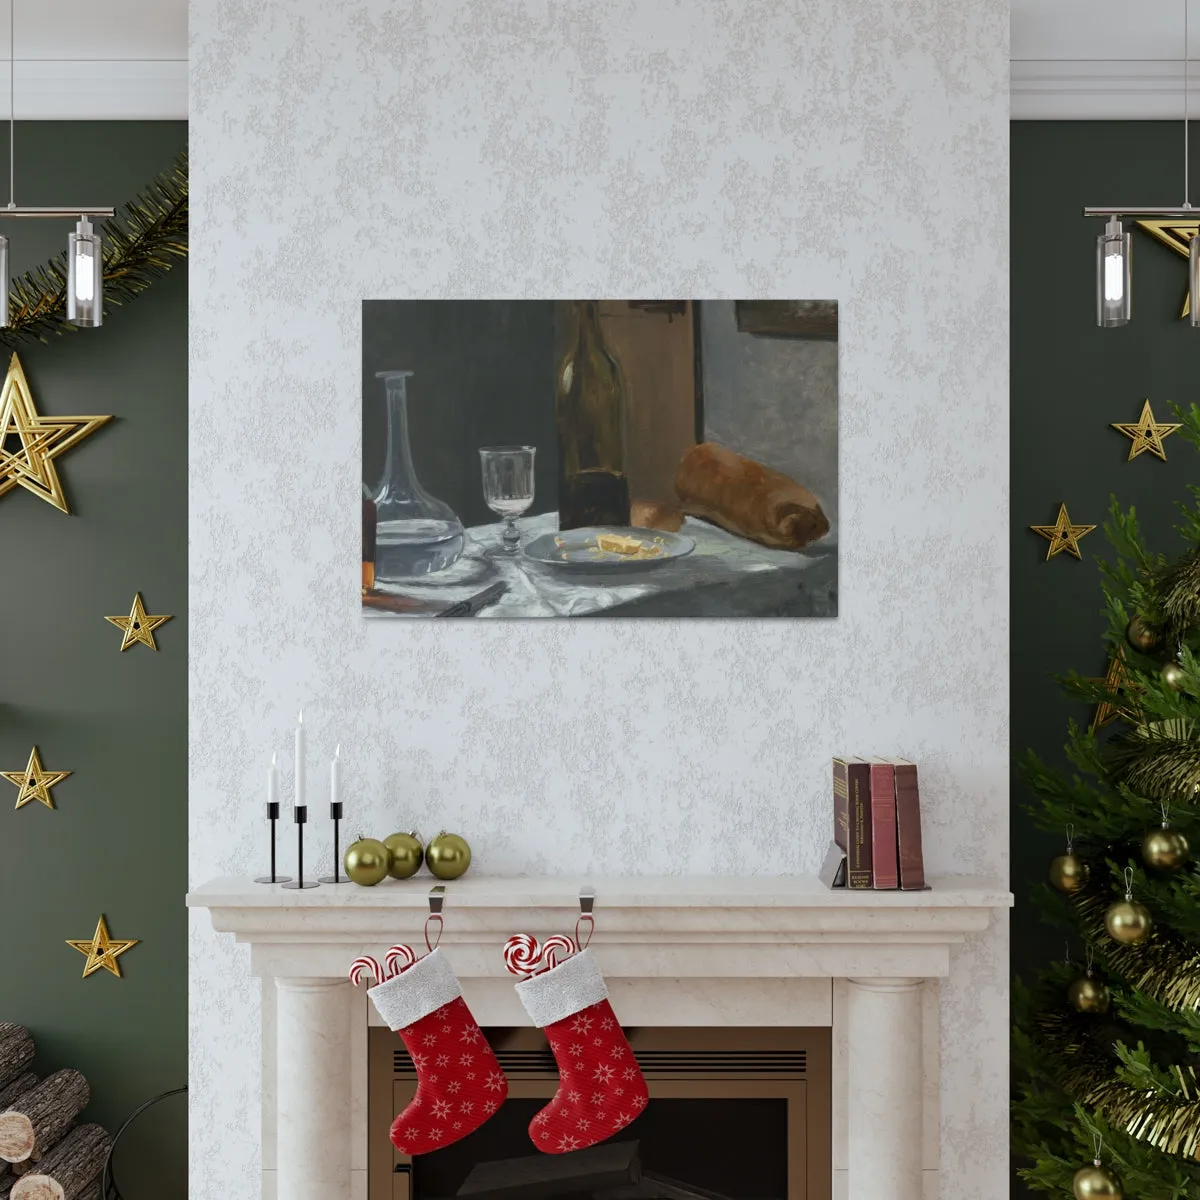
{"x":1089,"y":994}
{"x":1096,"y":1182}
{"x":1165,"y":849}
{"x":1127,"y":921}
{"x":1141,"y":636}
{"x":1174,"y":676}
{"x":1068,"y":872}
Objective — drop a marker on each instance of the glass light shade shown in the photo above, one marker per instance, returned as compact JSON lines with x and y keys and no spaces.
{"x":85,"y":277}
{"x":1194,"y":280}
{"x":1114,"y":275}
{"x":3,"y":280}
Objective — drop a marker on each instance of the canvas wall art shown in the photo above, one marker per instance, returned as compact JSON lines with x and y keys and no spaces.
{"x":599,"y":458}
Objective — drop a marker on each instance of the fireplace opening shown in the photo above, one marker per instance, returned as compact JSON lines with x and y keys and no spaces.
{"x":734,"y":1114}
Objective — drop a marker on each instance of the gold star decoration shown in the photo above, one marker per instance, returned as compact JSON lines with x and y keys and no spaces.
{"x":30,"y":441}
{"x":1062,"y":534}
{"x":102,"y":950}
{"x":139,"y":626}
{"x":34,"y":782}
{"x":1115,"y":682}
{"x":1147,"y":434}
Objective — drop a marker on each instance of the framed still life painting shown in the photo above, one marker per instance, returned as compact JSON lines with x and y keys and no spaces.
{"x":599,"y":458}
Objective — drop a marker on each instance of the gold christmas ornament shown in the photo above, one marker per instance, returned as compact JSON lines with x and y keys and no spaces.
{"x":1147,"y":434}
{"x":1096,"y":1183}
{"x":30,"y":442}
{"x":405,"y":854}
{"x":1068,"y":872}
{"x":1115,"y":681}
{"x":1174,"y":676}
{"x":139,"y":626}
{"x":1141,"y":636}
{"x":1089,"y":995}
{"x":1126,"y":920}
{"x":1062,"y":535}
{"x":1164,"y":849}
{"x":102,"y":950}
{"x":366,"y":862}
{"x":448,"y":856}
{"x":34,"y":782}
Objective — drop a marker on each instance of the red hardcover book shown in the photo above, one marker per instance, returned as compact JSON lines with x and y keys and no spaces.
{"x":884,"y":867}
{"x":852,"y":817}
{"x":908,"y":826}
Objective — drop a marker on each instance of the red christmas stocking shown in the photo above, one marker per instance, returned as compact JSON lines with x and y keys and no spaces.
{"x":459,"y":1081}
{"x":601,"y":1088}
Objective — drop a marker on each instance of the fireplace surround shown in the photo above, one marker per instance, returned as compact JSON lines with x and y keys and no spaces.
{"x":678,"y":952}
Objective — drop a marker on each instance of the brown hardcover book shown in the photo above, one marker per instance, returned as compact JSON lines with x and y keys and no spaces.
{"x":852,"y":817}
{"x":884,"y":868}
{"x":908,"y":826}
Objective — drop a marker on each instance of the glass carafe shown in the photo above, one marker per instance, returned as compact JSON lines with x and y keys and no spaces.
{"x":415,"y":533}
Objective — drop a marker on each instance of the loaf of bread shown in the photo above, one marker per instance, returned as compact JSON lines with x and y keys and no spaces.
{"x":749,"y":499}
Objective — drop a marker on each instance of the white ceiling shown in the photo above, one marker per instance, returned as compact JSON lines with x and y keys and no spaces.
{"x":154,"y":30}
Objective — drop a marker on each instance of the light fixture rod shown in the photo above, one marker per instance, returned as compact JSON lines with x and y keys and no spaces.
{"x":1132,"y":211}
{"x":12,"y":103}
{"x":72,"y":212}
{"x":1186,"y":109}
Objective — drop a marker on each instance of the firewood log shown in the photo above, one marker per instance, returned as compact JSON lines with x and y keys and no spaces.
{"x":552,"y":1175}
{"x":16,"y":1052}
{"x":42,"y":1115}
{"x":69,"y":1169}
{"x":18,"y":1087}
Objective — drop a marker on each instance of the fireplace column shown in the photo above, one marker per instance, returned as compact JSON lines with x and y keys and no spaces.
{"x":313,"y":1089}
{"x":883,"y":1032}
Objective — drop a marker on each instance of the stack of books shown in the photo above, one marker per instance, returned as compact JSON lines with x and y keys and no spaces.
{"x":876,"y":826}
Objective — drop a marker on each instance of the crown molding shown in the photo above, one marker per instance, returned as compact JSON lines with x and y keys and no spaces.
{"x":96,"y":90}
{"x":1101,"y":90}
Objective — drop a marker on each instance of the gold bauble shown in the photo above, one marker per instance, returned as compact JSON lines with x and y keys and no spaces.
{"x":1164,"y":849}
{"x":1068,"y":873}
{"x":1141,"y":636}
{"x":1096,"y":1183}
{"x":1129,"y":922}
{"x":366,"y":862}
{"x":448,"y":856}
{"x":405,"y":854}
{"x":1174,"y":676}
{"x":1088,"y":995}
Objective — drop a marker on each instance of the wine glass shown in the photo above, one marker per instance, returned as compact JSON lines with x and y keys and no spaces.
{"x":508,"y":487}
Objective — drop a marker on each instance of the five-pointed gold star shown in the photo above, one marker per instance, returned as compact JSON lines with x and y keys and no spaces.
{"x":1147,"y":434}
{"x":139,"y":626}
{"x":30,"y":441}
{"x":102,"y":950}
{"x":1062,"y":534}
{"x":1115,"y":682}
{"x":34,"y":782}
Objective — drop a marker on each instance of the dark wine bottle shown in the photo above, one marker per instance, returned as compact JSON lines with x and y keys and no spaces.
{"x":589,"y":410}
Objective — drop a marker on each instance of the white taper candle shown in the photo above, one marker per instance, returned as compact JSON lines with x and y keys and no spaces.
{"x":300,"y":753}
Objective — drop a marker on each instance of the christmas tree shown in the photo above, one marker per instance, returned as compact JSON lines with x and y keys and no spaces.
{"x":1107,"y":1041}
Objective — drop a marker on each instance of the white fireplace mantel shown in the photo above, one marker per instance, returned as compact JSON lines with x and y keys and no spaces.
{"x":675,"y":951}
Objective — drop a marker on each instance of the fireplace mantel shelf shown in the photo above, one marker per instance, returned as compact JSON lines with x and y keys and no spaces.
{"x":679,"y":950}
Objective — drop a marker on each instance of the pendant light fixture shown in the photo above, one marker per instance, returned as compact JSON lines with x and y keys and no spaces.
{"x":85,"y":256}
{"x":1114,"y":247}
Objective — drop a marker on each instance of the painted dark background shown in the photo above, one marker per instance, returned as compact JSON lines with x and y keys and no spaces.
{"x":117,"y":842}
{"x":1070,"y":380}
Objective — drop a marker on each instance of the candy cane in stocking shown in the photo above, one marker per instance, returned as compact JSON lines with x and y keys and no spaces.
{"x":601,"y":1088}
{"x":459,"y":1082}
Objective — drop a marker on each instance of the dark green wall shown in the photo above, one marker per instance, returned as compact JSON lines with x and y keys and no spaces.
{"x":1070,"y":380}
{"x":117,"y":843}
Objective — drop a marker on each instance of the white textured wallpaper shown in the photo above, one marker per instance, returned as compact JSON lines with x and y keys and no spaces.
{"x":757,"y":148}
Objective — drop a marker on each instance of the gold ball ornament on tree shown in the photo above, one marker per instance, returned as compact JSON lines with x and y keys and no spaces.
{"x":1089,"y":995}
{"x":1127,"y":921}
{"x":1141,"y":636}
{"x":1068,"y":872}
{"x":1165,"y":849}
{"x":1096,"y":1182}
{"x":367,"y":861}
{"x":1174,"y":676}
{"x":405,"y":854}
{"x":448,"y":856}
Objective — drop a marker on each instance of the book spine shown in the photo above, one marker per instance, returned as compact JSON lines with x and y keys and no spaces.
{"x":908,"y":829}
{"x":841,"y":805}
{"x":858,"y":851}
{"x":884,"y":866}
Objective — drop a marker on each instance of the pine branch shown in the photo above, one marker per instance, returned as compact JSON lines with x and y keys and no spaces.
{"x":141,"y":243}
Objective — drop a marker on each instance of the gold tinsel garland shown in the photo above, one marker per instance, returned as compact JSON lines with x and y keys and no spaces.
{"x":141,"y":243}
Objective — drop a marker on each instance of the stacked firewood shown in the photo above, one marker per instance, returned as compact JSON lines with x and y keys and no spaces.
{"x":44,"y":1155}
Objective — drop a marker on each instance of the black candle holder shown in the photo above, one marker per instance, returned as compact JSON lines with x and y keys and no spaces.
{"x":300,"y":812}
{"x":273,"y":816}
{"x":335,"y":815}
